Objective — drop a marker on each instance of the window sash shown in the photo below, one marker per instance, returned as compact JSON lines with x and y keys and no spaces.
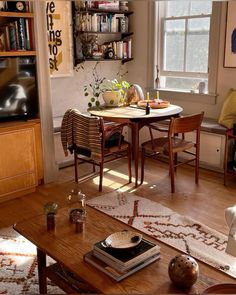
{"x":186,"y":31}
{"x":156,"y":11}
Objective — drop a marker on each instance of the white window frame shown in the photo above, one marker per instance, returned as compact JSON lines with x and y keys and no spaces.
{"x":183,"y":73}
{"x":155,"y":38}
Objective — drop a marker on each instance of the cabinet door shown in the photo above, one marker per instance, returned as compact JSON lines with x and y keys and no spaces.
{"x":17,"y":161}
{"x":211,"y":149}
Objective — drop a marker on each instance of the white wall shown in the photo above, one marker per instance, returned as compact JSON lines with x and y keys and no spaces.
{"x":69,"y":92}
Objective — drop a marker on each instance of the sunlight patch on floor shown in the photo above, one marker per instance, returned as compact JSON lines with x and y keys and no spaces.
{"x":114,"y":183}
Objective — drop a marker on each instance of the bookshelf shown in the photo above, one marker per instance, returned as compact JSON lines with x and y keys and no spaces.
{"x":23,"y":165}
{"x":102,"y":34}
{"x":16,"y":30}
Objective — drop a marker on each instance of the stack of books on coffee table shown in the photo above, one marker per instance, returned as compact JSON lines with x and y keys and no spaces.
{"x":121,"y":263}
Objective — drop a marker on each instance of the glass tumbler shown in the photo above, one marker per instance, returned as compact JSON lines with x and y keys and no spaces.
{"x":76,"y":203}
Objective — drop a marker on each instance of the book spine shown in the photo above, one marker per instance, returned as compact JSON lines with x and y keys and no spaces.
{"x":111,"y":272}
{"x":6,"y":40}
{"x":129,"y":48}
{"x":28,"y":45}
{"x":110,"y":262}
{"x":27,"y":7}
{"x":12,"y":36}
{"x":17,"y":35}
{"x":22,"y":37}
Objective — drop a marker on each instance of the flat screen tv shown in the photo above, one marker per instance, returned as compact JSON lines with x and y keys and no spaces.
{"x":18,"y":88}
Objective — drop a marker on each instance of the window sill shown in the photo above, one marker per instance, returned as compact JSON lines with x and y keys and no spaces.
{"x":170,"y":94}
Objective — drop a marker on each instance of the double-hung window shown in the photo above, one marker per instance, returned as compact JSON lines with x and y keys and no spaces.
{"x":183,"y":60}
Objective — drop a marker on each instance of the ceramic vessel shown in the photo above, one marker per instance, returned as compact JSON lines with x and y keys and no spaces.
{"x":123,"y":240}
{"x":113,"y":97}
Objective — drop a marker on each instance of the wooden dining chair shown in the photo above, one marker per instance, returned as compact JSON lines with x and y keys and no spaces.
{"x":92,"y":141}
{"x":175,"y":143}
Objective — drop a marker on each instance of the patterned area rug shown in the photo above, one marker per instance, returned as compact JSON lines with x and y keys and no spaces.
{"x":18,"y":265}
{"x":181,"y":232}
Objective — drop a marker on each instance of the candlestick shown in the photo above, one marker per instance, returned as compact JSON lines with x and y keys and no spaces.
{"x":148,"y":96}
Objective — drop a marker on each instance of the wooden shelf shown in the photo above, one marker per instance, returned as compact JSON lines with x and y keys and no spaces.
{"x":18,"y":53}
{"x":16,"y":14}
{"x":123,"y":60}
{"x":126,"y":34}
{"x":107,"y":39}
{"x":106,"y":11}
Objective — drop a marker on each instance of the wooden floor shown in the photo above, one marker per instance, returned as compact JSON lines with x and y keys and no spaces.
{"x":205,"y":202}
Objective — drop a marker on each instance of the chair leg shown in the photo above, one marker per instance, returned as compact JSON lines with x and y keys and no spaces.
{"x":94,"y":168}
{"x":76,"y":167}
{"x":197,"y":167}
{"x":101,"y":176}
{"x":129,"y":163}
{"x":172,"y":172}
{"x":176,"y":160}
{"x":142,"y":164}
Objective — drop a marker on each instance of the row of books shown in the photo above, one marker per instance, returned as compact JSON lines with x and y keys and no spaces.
{"x":17,"y":35}
{"x":102,"y":22}
{"x":119,"y":264}
{"x":113,"y":5}
{"x":122,"y":49}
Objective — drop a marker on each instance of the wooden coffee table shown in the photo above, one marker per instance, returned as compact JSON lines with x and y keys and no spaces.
{"x":71,"y":273}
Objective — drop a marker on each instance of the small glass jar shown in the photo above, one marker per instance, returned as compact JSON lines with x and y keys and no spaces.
{"x":76,"y":203}
{"x":78,"y":219}
{"x":50,"y":210}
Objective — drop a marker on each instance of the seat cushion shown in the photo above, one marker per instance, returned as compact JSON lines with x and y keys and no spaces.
{"x":114,"y":149}
{"x":160,"y":145}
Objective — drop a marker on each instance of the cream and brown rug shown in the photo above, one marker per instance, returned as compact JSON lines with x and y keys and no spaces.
{"x":180,"y":232}
{"x":18,"y":265}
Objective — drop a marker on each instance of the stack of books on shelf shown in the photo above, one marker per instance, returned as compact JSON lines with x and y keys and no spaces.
{"x":96,"y":22}
{"x":121,"y":263}
{"x":17,"y":35}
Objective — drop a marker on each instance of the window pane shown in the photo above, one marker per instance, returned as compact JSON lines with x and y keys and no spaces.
{"x":200,"y":7}
{"x":197,"y":45}
{"x":174,"y":45}
{"x":188,"y":8}
{"x":181,"y":83}
{"x":177,"y":8}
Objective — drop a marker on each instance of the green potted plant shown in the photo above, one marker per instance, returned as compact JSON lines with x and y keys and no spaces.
{"x":114,"y":92}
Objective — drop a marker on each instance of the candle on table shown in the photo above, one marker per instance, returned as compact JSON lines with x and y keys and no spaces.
{"x":148,"y":96}
{"x":158,"y":97}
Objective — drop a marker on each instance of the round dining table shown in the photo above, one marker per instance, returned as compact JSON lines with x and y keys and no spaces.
{"x":136,"y":118}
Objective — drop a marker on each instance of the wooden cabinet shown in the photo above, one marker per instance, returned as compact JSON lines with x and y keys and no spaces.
{"x":20,"y":158}
{"x":102,"y":34}
{"x":21,"y":166}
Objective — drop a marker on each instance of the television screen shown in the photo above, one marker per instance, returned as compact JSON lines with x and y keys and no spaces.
{"x":18,"y":88}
